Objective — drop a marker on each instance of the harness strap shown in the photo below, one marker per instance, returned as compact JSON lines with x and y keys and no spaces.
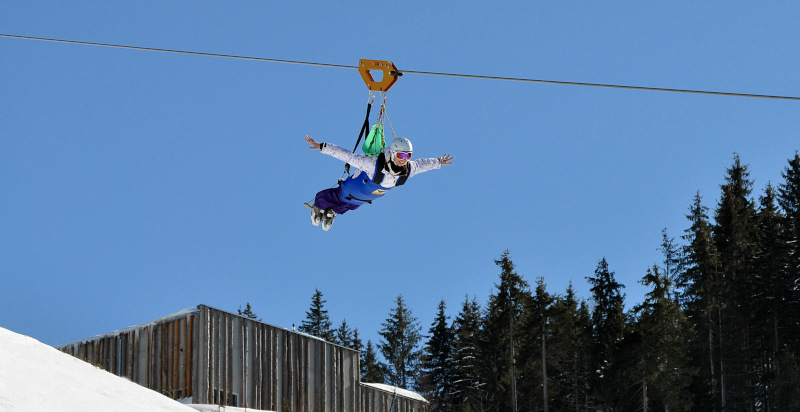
{"x":351,"y":197}
{"x":401,"y":180}
{"x":364,"y":128}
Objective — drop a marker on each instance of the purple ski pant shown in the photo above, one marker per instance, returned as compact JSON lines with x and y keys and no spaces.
{"x":332,"y":198}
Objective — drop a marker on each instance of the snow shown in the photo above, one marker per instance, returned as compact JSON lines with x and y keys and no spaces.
{"x":215,"y":408}
{"x":393,"y":389}
{"x":37,"y":377}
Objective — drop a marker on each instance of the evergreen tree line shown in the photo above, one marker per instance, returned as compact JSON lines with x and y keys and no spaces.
{"x":718,"y":330}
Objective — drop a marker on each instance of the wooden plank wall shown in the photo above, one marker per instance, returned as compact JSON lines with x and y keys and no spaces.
{"x":216,"y":357}
{"x":157,"y":355}
{"x":269,"y":368}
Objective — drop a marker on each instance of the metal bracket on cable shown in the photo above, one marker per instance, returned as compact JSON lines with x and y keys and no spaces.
{"x":390,"y":74}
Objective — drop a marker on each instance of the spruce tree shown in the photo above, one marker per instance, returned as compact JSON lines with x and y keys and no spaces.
{"x":533,"y":354}
{"x":662,"y":360}
{"x":734,"y":237}
{"x":400,"y":346}
{"x":248,"y":312}
{"x":466,"y":393}
{"x":343,"y":335}
{"x":673,"y":260}
{"x":500,"y":341}
{"x":700,"y":274}
{"x":608,"y":321}
{"x":436,"y":370}
{"x":771,"y":290}
{"x":789,"y":202}
{"x":356,"y":343}
{"x":787,"y":339}
{"x":570,"y":348}
{"x":317,"y":322}
{"x":372,"y":370}
{"x":702,"y":302}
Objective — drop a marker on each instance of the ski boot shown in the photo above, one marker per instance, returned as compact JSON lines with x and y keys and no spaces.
{"x":316,"y":215}
{"x":327,"y":218}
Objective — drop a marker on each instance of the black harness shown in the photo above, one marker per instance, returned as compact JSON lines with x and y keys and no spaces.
{"x":381,"y":164}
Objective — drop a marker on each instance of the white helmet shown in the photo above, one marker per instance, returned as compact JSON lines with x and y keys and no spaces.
{"x":400,"y":144}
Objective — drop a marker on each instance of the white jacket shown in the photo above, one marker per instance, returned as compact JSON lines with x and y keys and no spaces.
{"x":367,"y":163}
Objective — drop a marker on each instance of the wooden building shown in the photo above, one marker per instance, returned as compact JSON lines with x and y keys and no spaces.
{"x":207,"y":356}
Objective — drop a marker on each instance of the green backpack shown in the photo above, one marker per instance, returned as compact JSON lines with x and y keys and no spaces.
{"x":374,"y":143}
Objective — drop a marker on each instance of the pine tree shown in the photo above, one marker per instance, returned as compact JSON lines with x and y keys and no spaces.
{"x":436,"y":370}
{"x":569,"y":351}
{"x":789,"y":202}
{"x":343,"y":335}
{"x":771,"y":288}
{"x":662,"y":359}
{"x":608,"y":320}
{"x":466,"y":393}
{"x":702,"y":302}
{"x":248,"y":312}
{"x":400,"y":346}
{"x":734,"y":238}
{"x":673,"y":260}
{"x":786,"y":329}
{"x":356,"y":342}
{"x":317,"y":322}
{"x":701,"y":268}
{"x":372,"y":370}
{"x":533,"y":353}
{"x":500,"y":340}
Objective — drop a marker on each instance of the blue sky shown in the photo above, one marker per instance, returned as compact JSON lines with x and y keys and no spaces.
{"x":134,"y":184}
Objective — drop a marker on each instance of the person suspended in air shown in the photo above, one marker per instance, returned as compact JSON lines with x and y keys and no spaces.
{"x":372,"y":178}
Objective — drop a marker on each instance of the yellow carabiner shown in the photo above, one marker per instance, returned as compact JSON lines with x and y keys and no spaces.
{"x":390,"y":74}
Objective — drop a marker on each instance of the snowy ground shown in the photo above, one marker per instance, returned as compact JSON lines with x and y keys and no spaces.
{"x":215,"y":408}
{"x":35,"y":377}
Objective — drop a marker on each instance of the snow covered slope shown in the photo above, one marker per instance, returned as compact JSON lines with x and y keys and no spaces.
{"x":35,"y":377}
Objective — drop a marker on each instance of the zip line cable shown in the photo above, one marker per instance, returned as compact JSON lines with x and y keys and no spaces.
{"x":227,"y":56}
{"x":469,"y":76}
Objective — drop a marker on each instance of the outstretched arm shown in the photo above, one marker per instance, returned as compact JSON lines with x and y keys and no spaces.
{"x":358,"y":161}
{"x":430,"y":163}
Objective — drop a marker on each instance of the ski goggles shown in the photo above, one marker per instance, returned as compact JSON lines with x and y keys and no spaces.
{"x":403,"y":155}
